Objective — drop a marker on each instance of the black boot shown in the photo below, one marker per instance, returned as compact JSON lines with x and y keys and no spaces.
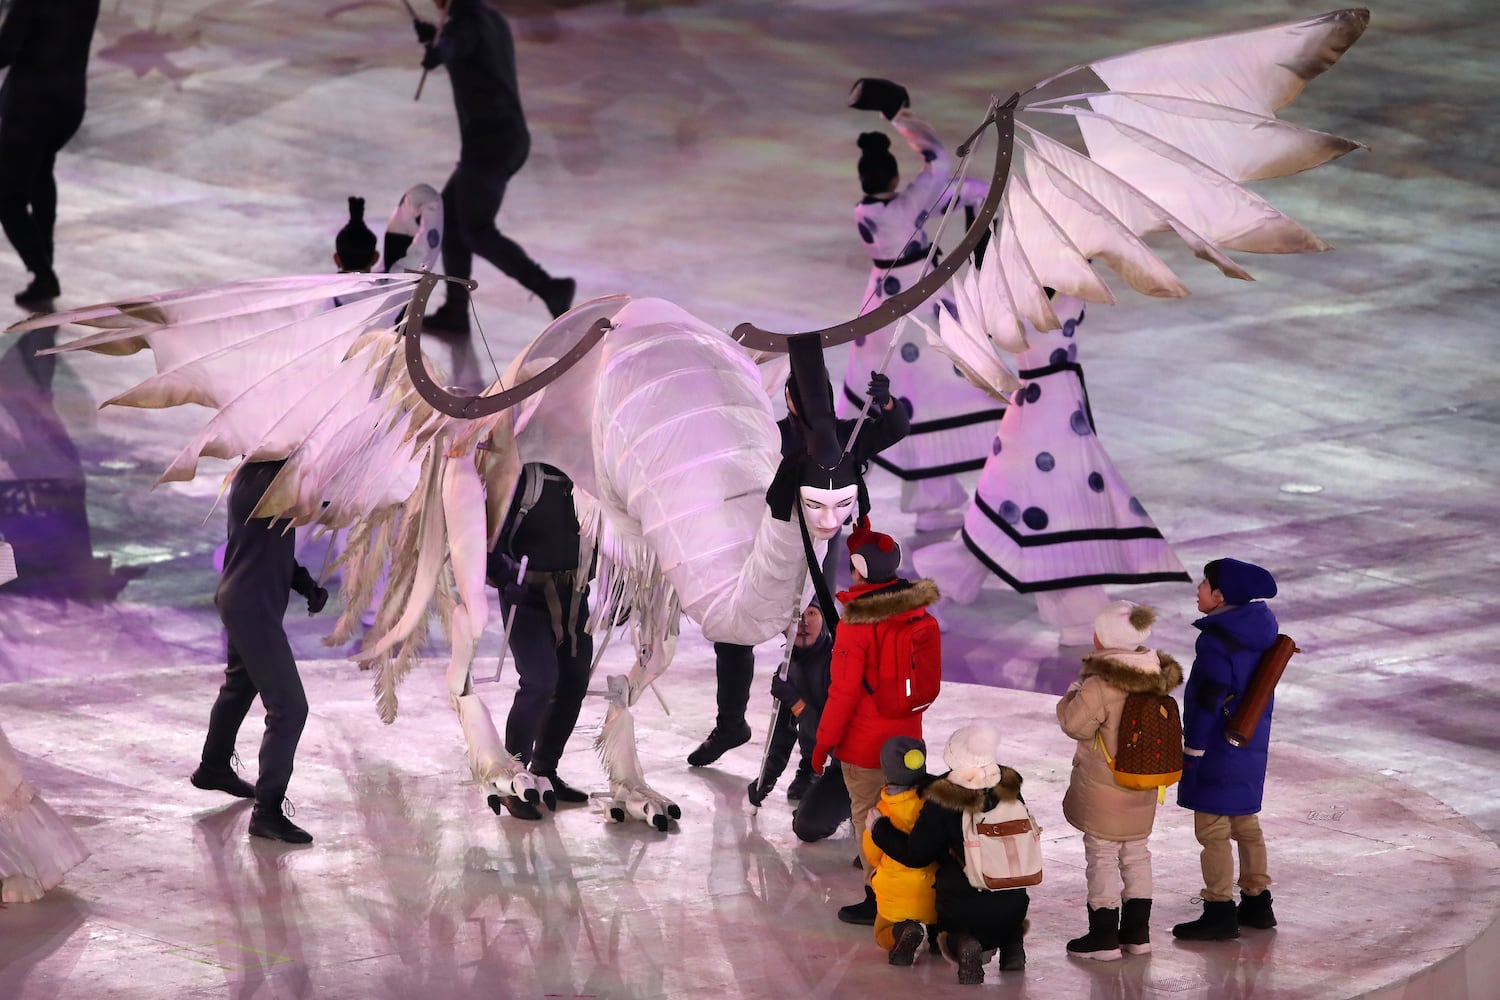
{"x":801,"y":782}
{"x":222,"y":778}
{"x":452,"y":317}
{"x":1255,"y":911}
{"x":268,"y":821}
{"x":1135,"y":927}
{"x":558,"y":295}
{"x":564,"y":792}
{"x":40,"y":293}
{"x":862,"y":912}
{"x":966,"y":953}
{"x":1102,"y":942}
{"x":875,"y":94}
{"x":1013,"y":951}
{"x":722,"y":740}
{"x":1218,"y":923}
{"x":909,"y":935}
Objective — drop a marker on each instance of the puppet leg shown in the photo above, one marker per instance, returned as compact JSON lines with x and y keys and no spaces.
{"x":496,"y":771}
{"x":632,"y":797}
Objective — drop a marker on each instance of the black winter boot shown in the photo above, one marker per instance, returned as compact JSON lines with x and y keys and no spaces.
{"x":862,"y":912}
{"x":40,"y":293}
{"x":1218,"y":923}
{"x":801,"y":782}
{"x":909,"y":935}
{"x":1135,"y":927}
{"x":1013,"y":951}
{"x":1255,"y":911}
{"x":968,"y":955}
{"x":269,"y":822}
{"x":1102,"y":942}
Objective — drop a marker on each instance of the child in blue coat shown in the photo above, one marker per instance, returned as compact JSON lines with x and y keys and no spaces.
{"x":1221,"y":783}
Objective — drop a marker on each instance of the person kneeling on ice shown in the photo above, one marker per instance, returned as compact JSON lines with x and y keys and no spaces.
{"x":1115,"y":820}
{"x":973,"y":922}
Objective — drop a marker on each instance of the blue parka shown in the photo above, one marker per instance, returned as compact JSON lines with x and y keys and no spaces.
{"x":1217,"y":777}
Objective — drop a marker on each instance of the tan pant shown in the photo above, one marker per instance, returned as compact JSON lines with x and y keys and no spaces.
{"x":1111,"y":866}
{"x":864,"y":784}
{"x":1214,"y":833}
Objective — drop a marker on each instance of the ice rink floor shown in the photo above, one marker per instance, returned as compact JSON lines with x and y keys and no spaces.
{"x":1334,"y":421}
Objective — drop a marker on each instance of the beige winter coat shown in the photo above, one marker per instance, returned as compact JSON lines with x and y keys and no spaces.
{"x":1092,"y":705}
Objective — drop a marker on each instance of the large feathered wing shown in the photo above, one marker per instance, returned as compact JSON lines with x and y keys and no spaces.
{"x":1162,"y":141}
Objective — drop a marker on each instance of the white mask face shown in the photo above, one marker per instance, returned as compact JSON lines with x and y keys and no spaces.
{"x":826,"y":511}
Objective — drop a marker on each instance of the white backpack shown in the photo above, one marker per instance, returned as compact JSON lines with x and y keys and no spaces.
{"x":1003,"y":847}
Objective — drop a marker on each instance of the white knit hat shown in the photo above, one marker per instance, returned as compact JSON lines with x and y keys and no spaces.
{"x":970,"y":754}
{"x":1123,"y":625}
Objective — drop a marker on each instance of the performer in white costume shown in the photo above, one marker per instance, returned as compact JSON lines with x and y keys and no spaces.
{"x":952,"y":422}
{"x":1051,"y":515}
{"x":36,"y":847}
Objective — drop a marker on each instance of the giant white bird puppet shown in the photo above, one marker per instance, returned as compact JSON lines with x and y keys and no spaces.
{"x":660,"y":419}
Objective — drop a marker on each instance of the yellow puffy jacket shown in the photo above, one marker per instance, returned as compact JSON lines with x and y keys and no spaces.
{"x":901,"y":893}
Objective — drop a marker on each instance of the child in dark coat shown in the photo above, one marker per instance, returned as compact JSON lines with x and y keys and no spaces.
{"x":1221,"y":783}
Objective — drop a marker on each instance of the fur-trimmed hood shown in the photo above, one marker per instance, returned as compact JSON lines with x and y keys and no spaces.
{"x":871,"y":603}
{"x":1160,"y":674}
{"x":959,"y":799}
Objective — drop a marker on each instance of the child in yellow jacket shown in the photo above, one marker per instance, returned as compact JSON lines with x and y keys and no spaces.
{"x":904,"y":897}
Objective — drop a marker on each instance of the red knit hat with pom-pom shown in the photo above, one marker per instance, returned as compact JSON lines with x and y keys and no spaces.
{"x":875,"y":556}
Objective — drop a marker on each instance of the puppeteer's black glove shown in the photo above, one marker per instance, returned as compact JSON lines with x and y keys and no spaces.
{"x":783,"y":690}
{"x":426,"y":30}
{"x":432,"y":58}
{"x":879,"y":390}
{"x":753,"y":792}
{"x":305,"y":586}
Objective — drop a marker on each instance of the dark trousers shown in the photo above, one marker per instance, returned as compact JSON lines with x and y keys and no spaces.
{"x":471,"y":201}
{"x":260,"y":663}
{"x":553,"y":677}
{"x":28,"y":191}
{"x":824,"y":807}
{"x":734,"y":671}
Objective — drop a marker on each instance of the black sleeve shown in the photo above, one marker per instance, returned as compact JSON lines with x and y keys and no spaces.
{"x":890,"y":426}
{"x":15,"y":28}
{"x":927,"y":841}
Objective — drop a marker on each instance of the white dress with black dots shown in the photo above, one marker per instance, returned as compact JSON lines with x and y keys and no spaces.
{"x":1051,"y":512}
{"x":952,"y":423}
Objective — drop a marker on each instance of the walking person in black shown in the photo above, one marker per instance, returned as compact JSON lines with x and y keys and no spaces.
{"x":475,"y":44}
{"x":45,"y":44}
{"x":260,"y":571}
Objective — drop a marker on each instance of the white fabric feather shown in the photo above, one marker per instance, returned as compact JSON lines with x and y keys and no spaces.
{"x":1167,"y":144}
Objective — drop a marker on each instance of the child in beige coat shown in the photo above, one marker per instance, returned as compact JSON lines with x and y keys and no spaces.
{"x":1115,"y":821}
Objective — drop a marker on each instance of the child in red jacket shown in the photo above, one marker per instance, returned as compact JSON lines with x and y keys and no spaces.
{"x":876,"y":609}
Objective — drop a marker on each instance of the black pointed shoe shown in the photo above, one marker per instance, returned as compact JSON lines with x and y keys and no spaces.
{"x":719,"y":742}
{"x":40,"y":293}
{"x":222,"y":779}
{"x":272,"y":824}
{"x":565,"y":792}
{"x":558,"y":297}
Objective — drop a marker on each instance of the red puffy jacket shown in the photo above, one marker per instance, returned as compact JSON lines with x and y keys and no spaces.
{"x":851,"y":727}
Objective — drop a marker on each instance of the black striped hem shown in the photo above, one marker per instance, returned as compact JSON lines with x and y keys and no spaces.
{"x":1063,"y":537}
{"x":1067,"y":582}
{"x":932,"y":472}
